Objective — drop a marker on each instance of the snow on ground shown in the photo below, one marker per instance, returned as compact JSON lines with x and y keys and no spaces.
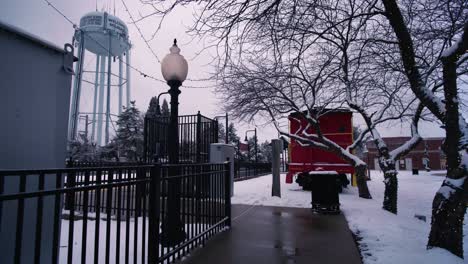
{"x":386,"y":238}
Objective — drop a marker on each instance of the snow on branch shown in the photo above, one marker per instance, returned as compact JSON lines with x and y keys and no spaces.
{"x":408,"y":145}
{"x":459,"y":47}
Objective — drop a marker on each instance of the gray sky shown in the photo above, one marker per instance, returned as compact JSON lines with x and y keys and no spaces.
{"x":36,"y":17}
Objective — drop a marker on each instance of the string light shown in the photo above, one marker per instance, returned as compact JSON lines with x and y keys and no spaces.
{"x":145,"y":75}
{"x":139,"y":31}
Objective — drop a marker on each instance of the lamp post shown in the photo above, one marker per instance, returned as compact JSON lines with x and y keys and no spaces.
{"x":255,"y":138}
{"x":227,"y":127}
{"x":158,"y":111}
{"x":174,"y":69}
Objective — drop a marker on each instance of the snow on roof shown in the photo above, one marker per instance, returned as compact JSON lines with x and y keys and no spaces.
{"x":325,"y":111}
{"x":322,"y":172}
{"x":23,"y":33}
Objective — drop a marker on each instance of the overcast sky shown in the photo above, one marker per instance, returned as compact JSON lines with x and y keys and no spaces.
{"x":36,"y":17}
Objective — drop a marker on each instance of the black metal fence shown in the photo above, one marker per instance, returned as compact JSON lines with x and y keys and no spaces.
{"x":113,"y":214}
{"x":196,"y":133}
{"x":246,"y":170}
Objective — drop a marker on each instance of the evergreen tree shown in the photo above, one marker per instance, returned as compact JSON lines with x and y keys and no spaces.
{"x":265,"y":153}
{"x":129,"y":137}
{"x":165,"y":108}
{"x":82,"y":149}
{"x":232,"y":134}
{"x":153,"y":108}
{"x":109,"y":152}
{"x":251,"y":153}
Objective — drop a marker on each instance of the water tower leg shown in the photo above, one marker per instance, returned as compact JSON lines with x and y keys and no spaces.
{"x":109,"y":63}
{"x":73,"y":117}
{"x":128,"y":78}
{"x":96,"y":88}
{"x":101,"y":100}
{"x":120,"y":83}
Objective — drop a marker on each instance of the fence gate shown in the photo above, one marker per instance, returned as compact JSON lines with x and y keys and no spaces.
{"x":196,"y":133}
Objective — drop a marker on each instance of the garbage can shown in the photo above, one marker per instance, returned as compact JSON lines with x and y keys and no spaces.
{"x":325,"y":187}
{"x":415,"y":171}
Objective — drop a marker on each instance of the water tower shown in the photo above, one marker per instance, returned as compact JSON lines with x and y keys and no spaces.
{"x":106,"y":37}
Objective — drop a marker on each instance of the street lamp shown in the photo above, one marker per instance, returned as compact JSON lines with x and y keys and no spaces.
{"x":254,"y":130}
{"x":227,"y":127}
{"x":174,"y":69}
{"x":158,"y":110}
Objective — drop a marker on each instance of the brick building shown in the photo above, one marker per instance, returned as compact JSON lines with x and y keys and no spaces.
{"x":428,"y":151}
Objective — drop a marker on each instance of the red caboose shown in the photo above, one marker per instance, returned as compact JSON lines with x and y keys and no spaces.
{"x":337,"y":126}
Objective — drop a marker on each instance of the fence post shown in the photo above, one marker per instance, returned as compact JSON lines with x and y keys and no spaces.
{"x":198,"y":138}
{"x":71,"y":182}
{"x":139,"y":192}
{"x":153,"y":214}
{"x":227,"y":192}
{"x":145,"y":140}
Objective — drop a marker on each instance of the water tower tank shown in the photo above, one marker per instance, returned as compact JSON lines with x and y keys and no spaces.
{"x":99,"y":29}
{"x":105,"y":36}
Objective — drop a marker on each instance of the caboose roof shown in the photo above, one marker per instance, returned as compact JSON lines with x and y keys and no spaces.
{"x":324,"y":111}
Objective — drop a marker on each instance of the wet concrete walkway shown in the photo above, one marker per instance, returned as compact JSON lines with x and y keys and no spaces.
{"x":264,"y":234}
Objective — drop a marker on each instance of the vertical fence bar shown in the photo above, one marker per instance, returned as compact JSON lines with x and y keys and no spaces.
{"x":108,"y":213}
{"x":183,"y":210}
{"x":85,"y":219}
{"x":227,"y":194}
{"x":119,"y":216}
{"x":137,"y":214}
{"x":197,"y":203}
{"x":71,"y":221}
{"x":2,"y":183}
{"x":199,"y":137}
{"x":144,"y":212}
{"x":205,"y":202}
{"x":56,"y":235}
{"x":38,"y":236}
{"x":71,"y":181}
{"x":98,"y":216}
{"x":219,"y":195}
{"x":127,"y":217}
{"x":164,"y":201}
{"x":153,"y":215}
{"x":145,"y":140}
{"x":20,"y":220}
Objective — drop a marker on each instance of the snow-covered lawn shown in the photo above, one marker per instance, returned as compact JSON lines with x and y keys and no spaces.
{"x":386,"y":238}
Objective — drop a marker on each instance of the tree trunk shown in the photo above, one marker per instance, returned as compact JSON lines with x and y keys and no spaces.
{"x":361,"y":179}
{"x":387,"y":164}
{"x":447,"y":222}
{"x":391,"y":191}
{"x":448,"y":207}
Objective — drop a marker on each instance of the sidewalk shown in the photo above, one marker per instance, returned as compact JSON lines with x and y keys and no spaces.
{"x":264,"y":234}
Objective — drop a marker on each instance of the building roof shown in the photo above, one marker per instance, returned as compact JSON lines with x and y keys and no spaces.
{"x":31,"y":37}
{"x":243,"y":146}
{"x":394,"y":142}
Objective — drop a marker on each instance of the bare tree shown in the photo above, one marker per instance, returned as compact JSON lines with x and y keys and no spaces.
{"x":442,"y":25}
{"x":290,"y":56}
{"x":375,"y":91}
{"x":311,"y":43}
